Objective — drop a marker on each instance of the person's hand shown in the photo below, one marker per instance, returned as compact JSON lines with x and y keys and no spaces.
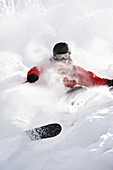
{"x":32,"y":78}
{"x":109,"y":83}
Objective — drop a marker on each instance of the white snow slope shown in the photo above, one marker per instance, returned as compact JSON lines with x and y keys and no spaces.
{"x":28,"y":32}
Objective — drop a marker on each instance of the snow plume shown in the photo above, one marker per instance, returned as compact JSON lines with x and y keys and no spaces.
{"x":28,"y":31}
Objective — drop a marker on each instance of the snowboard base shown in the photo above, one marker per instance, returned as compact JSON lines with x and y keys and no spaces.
{"x":44,"y":132}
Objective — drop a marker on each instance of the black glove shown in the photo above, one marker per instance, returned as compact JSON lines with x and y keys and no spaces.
{"x":32,"y":78}
{"x":109,"y":82}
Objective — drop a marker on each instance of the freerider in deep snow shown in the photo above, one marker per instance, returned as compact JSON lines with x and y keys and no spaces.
{"x":70,"y":74}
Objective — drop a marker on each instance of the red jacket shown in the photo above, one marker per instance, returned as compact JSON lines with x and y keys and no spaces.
{"x":73,"y":75}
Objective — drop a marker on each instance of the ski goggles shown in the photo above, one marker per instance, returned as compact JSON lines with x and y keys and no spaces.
{"x":61,"y":56}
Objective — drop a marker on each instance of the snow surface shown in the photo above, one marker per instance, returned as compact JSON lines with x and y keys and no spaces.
{"x":28,"y":32}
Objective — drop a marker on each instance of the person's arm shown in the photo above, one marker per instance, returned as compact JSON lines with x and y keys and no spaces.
{"x":33,"y":75}
{"x":89,"y":79}
{"x":99,"y":81}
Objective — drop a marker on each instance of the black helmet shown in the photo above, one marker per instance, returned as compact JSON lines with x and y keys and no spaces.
{"x":61,"y":48}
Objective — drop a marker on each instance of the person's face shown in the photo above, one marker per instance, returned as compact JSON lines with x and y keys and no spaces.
{"x":62,"y":58}
{"x":64,"y":61}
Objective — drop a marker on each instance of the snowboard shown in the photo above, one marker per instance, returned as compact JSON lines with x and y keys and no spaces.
{"x":44,"y":132}
{"x":75,"y":90}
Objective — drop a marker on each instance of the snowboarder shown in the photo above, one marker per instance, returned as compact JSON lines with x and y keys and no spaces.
{"x":70,"y":74}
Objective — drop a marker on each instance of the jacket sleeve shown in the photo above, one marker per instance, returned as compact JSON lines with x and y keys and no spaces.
{"x":99,"y":81}
{"x":88,"y":78}
{"x":34,"y":70}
